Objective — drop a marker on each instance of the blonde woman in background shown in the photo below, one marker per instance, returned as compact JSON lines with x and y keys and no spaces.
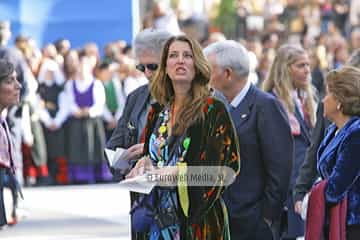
{"x":289,"y":80}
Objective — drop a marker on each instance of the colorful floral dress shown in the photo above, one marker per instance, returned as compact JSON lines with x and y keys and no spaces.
{"x":211,"y":142}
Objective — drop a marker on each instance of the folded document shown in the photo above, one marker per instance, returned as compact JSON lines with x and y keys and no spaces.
{"x":117,"y":159}
{"x":141,"y":184}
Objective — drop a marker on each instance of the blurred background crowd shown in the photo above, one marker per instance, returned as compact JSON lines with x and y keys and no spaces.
{"x":49,"y":127}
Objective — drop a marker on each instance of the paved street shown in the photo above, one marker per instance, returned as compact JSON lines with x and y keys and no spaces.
{"x":90,"y":212}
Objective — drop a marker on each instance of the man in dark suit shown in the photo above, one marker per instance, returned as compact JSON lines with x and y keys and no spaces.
{"x":256,"y":199}
{"x":127,"y":134}
{"x":148,"y":45}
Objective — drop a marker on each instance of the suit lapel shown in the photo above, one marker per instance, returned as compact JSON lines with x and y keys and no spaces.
{"x":142,"y":103}
{"x":242,"y":112}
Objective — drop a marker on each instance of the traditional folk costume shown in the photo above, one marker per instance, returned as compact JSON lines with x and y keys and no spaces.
{"x":34,"y":145}
{"x":115,"y":96}
{"x":85,"y":136}
{"x":54,"y":112}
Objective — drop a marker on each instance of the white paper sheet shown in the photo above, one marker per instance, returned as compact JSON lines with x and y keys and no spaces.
{"x":117,"y":159}
{"x":140,"y":184}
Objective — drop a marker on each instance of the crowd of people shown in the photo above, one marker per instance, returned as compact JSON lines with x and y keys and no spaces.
{"x":71,"y":100}
{"x":264,"y":106}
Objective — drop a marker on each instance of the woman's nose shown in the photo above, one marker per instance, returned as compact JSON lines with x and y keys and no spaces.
{"x":18,"y":84}
{"x":180,"y":58}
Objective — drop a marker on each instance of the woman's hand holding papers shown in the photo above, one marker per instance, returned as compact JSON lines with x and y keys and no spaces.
{"x":143,"y":165}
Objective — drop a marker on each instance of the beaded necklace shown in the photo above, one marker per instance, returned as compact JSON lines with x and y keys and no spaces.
{"x":164,"y":133}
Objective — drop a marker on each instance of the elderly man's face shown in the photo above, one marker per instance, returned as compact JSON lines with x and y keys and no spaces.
{"x":217,"y":74}
{"x":148,"y":63}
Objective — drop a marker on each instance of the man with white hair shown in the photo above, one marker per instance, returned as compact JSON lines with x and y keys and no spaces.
{"x":257,"y":197}
{"x":148,"y":45}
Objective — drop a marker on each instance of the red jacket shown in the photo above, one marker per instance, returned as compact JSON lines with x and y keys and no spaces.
{"x":315,"y":217}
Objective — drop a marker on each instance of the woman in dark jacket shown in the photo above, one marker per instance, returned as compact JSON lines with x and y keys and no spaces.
{"x":339,"y":152}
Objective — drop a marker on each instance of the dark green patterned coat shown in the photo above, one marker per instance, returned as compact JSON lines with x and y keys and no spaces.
{"x":213,"y":143}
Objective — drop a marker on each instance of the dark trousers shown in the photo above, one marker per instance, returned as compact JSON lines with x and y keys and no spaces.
{"x":2,"y":203}
{"x":11,"y":183}
{"x":353,"y":232}
{"x":250,"y":229}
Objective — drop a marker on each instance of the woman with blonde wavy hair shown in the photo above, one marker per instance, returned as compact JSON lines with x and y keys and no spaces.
{"x":185,"y":128}
{"x":289,"y":80}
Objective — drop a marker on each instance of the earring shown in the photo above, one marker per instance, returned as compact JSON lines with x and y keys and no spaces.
{"x":338,"y":107}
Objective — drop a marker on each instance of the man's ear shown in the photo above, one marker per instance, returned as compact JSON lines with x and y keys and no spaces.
{"x":228,"y":71}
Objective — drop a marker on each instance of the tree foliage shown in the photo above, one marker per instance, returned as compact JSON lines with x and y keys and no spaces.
{"x":226,"y":19}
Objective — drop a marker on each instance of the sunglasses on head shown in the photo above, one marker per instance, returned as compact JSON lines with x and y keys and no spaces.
{"x":150,"y":66}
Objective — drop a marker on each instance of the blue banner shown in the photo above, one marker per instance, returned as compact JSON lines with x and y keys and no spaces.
{"x":80,"y":21}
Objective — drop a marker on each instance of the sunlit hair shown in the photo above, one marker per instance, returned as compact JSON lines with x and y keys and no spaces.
{"x":279,"y":79}
{"x":163,"y":91}
{"x":344,"y":84}
{"x":150,"y":41}
{"x":231,"y":54}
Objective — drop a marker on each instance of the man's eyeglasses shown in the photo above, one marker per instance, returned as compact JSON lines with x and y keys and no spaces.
{"x":150,"y":66}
